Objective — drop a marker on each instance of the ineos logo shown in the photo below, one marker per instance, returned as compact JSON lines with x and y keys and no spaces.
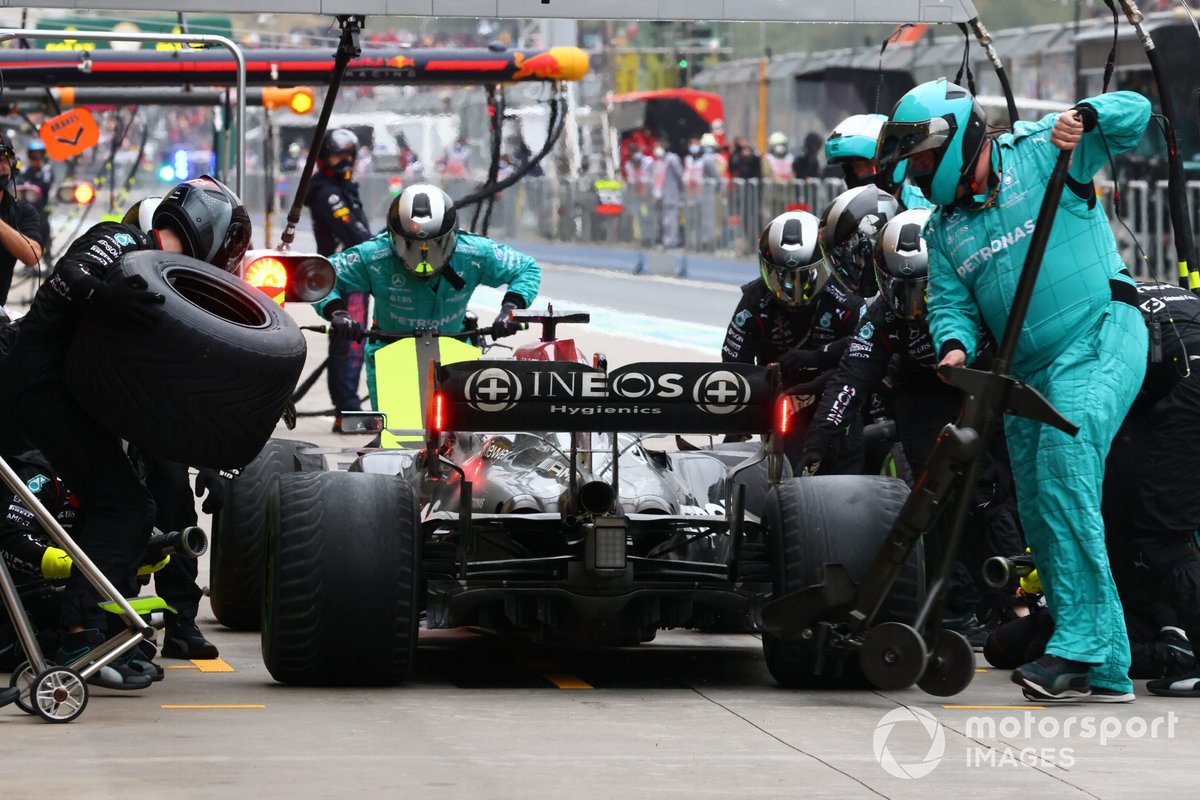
{"x":721,"y":392}
{"x":493,"y":389}
{"x":633,"y":385}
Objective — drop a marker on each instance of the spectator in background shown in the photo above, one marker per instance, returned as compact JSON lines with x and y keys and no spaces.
{"x":638,"y":174}
{"x":808,"y":163}
{"x":668,"y":189}
{"x":744,"y":160}
{"x":454,"y":165}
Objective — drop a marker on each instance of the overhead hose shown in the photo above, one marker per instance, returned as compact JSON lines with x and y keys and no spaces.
{"x":985,"y":40}
{"x":1181,"y":222}
{"x":554,"y":133}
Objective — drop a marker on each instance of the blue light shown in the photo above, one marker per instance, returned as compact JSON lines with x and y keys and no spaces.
{"x":182,"y":167}
{"x":167,"y":173}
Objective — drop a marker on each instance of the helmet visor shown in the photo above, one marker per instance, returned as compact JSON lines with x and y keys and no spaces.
{"x":907,"y":297}
{"x":424,"y":258}
{"x":853,"y":262}
{"x":900,"y":140}
{"x":795,"y":286}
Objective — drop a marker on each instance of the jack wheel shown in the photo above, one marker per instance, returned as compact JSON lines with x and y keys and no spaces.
{"x":893,"y":656}
{"x":22,"y":678}
{"x":951,"y":666}
{"x":59,"y":694}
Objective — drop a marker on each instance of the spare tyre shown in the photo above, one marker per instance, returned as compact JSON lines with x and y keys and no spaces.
{"x":207,"y":384}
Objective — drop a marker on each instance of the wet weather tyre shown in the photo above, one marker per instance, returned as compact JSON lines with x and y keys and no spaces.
{"x":833,"y":519}
{"x":341,"y":606}
{"x":237,"y":559}
{"x":207,"y":383}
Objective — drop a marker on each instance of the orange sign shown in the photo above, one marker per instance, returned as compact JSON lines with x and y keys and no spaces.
{"x":69,"y":134}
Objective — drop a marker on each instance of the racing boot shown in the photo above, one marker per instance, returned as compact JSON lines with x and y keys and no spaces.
{"x":140,"y":661}
{"x":970,"y":627}
{"x":8,"y":695}
{"x":184,"y":640}
{"x":1051,"y":679}
{"x":116,"y":675}
{"x":1184,"y":679}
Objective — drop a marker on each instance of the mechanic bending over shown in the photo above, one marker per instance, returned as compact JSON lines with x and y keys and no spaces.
{"x":893,"y":345}
{"x":339,"y":221}
{"x":21,"y":234}
{"x":199,"y":218}
{"x":422,"y":272}
{"x":1083,"y":343}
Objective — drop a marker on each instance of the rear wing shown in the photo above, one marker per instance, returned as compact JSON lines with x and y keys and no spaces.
{"x":650,"y":397}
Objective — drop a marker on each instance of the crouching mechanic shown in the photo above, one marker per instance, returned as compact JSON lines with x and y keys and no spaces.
{"x":200,"y":218}
{"x":422,"y":272}
{"x":798,"y":315}
{"x":1083,"y":344}
{"x":893,"y":344}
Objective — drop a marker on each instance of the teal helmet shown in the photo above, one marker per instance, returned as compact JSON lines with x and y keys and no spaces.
{"x":854,"y":141}
{"x":943,"y":118}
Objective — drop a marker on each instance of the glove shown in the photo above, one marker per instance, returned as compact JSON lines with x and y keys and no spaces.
{"x":149,"y":569}
{"x":345,"y":328}
{"x":505,"y":325}
{"x":1087,"y":115}
{"x":798,"y":359}
{"x":56,"y":563}
{"x":815,"y":449}
{"x":210,"y":481}
{"x":126,"y":304}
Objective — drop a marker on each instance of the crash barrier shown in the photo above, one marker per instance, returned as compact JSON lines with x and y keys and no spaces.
{"x":723,"y":217}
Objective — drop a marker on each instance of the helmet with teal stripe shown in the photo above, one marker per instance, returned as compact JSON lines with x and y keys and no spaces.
{"x":944,"y":119}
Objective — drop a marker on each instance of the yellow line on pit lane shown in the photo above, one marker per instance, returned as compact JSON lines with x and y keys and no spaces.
{"x":564,"y":681}
{"x":1018,"y":708}
{"x":213,"y":706}
{"x":182,"y":666}
{"x":212,"y":665}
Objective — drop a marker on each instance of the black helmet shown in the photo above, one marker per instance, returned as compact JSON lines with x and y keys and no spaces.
{"x":902,"y":263}
{"x":338,"y":141}
{"x":790,"y":260}
{"x":421,"y":222}
{"x":848,"y":231}
{"x":209,"y":218}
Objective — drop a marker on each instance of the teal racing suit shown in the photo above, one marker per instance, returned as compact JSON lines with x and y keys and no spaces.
{"x":911,"y":197}
{"x":404,"y":302}
{"x":1083,"y":345}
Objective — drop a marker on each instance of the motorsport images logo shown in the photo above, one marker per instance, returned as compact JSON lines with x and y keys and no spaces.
{"x":927,"y":727}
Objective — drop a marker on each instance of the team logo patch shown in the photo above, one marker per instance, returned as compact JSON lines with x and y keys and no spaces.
{"x":742,"y":318}
{"x":866,"y":331}
{"x":36,"y":483}
{"x":124,"y":239}
{"x":826,"y":320}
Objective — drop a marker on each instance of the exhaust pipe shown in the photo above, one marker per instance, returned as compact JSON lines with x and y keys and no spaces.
{"x":596,"y":497}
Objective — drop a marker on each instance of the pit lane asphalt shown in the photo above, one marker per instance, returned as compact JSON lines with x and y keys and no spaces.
{"x":689,"y":715}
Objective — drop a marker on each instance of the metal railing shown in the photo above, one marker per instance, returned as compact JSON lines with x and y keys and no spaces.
{"x":724,"y":217}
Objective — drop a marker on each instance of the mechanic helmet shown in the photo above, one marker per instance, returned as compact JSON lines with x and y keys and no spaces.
{"x":853,"y":141}
{"x":210,"y":220}
{"x":777,"y":143}
{"x":902,"y":263}
{"x":944,"y":119}
{"x":849,"y":228}
{"x":9,"y":152}
{"x":338,"y":141}
{"x":141,"y":213}
{"x":790,"y":261}
{"x":421,"y":222}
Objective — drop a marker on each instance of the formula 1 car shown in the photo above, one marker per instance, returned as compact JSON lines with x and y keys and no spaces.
{"x":535,"y":504}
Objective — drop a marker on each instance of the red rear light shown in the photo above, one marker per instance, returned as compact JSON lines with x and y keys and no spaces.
{"x":439,"y":413}
{"x":267,"y":272}
{"x":783,"y":415}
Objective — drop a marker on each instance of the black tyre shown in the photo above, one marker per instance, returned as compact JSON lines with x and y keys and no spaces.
{"x":341,"y":605}
{"x":237,"y":560}
{"x":207,"y":384}
{"x":833,"y":519}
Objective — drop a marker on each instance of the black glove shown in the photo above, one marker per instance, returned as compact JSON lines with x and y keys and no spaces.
{"x":345,"y":328}
{"x":505,"y":325}
{"x":126,"y":304}
{"x":798,"y":359}
{"x":815,"y":449}
{"x":210,"y":481}
{"x":1087,"y":115}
